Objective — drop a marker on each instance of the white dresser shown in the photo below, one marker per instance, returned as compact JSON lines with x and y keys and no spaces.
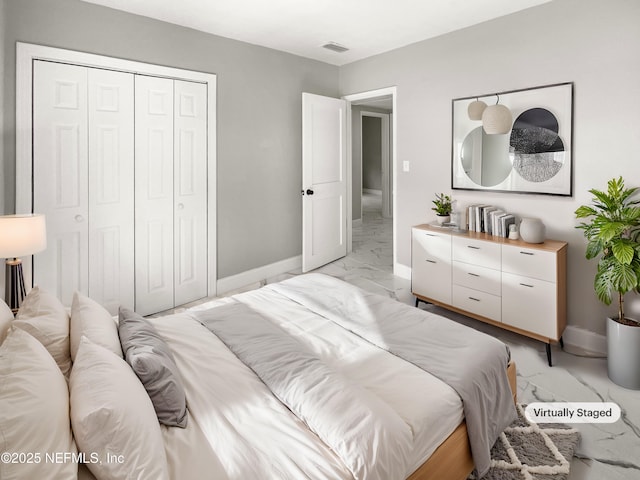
{"x":512,"y":284}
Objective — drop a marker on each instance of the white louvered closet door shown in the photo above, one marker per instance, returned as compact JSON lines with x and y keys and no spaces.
{"x":60,"y":176}
{"x":190,"y":191}
{"x":154,"y":194}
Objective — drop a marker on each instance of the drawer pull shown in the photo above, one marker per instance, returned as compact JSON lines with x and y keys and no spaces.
{"x":430,"y":235}
{"x":474,"y":299}
{"x":526,"y":285}
{"x":473,"y":274}
{"x":527,"y":253}
{"x":431,"y":261}
{"x":474,"y":248}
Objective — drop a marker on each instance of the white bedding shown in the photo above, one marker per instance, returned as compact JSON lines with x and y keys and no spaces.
{"x":253,"y":435}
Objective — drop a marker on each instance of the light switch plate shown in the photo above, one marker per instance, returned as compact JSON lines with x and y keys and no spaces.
{"x":405,"y":166}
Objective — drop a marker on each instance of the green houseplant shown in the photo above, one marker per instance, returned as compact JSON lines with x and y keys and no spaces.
{"x":443,"y":207}
{"x":612,"y":230}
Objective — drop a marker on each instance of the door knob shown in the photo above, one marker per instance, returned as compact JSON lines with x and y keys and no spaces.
{"x":79,"y":218}
{"x":309,"y":191}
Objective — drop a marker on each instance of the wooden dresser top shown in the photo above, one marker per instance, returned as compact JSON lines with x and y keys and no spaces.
{"x":548,"y":244}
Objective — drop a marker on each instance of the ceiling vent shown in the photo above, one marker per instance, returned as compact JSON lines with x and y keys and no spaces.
{"x":335,"y":47}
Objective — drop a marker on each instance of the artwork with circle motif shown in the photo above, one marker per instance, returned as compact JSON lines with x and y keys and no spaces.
{"x":538,"y":151}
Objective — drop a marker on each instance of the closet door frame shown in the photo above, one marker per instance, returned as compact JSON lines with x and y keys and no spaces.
{"x":26,"y":53}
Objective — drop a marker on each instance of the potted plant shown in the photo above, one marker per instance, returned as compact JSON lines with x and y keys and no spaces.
{"x":613,"y":235}
{"x":443,"y":207}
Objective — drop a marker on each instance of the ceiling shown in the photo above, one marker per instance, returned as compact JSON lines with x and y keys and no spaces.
{"x":301,"y":27}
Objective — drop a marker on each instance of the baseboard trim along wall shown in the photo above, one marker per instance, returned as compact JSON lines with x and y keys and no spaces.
{"x":586,"y":340}
{"x":402,"y":271}
{"x":257,"y":275}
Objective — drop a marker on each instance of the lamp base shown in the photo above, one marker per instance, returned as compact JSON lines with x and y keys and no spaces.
{"x":14,"y":284}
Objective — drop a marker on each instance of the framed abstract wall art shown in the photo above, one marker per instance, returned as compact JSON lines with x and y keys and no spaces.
{"x":534,"y":156}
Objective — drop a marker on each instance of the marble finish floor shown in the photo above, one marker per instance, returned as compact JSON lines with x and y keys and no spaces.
{"x":606,"y":451}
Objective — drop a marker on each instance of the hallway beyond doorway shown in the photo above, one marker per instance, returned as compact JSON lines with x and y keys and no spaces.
{"x":373,"y":237}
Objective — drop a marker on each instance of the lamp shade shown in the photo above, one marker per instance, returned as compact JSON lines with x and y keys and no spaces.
{"x":475,"y":109}
{"x":22,"y":235}
{"x":496,"y":119}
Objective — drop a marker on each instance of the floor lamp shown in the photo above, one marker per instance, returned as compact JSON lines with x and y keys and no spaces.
{"x":20,"y":235}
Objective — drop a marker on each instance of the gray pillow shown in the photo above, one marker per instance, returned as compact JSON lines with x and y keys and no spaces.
{"x":151,"y":360}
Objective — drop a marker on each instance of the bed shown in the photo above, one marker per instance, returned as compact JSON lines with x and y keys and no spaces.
{"x":368,"y":413}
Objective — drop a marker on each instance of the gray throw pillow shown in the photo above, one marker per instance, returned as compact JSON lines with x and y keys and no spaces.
{"x":152,"y":361}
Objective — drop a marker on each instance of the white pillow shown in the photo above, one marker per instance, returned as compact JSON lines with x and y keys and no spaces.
{"x":44,"y":317}
{"x":34,"y":411}
{"x":111,"y":414}
{"x":92,"y":320}
{"x":6,"y":317}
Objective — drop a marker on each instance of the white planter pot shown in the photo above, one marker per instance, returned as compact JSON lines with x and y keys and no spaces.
{"x":443,"y":218}
{"x":623,"y":362}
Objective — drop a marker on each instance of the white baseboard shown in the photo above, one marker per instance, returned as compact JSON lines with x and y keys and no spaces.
{"x":372,"y":191}
{"x":584,"y":339}
{"x":257,"y":275}
{"x":357,"y":222}
{"x":402,"y":271}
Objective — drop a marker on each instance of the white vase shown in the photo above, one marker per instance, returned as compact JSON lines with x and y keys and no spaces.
{"x":513,"y":232}
{"x":443,"y":219}
{"x":532,"y":230}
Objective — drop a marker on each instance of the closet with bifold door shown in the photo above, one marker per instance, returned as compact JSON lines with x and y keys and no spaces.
{"x":120,"y":171}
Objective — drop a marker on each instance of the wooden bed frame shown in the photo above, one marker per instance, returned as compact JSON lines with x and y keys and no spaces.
{"x":452,"y":459}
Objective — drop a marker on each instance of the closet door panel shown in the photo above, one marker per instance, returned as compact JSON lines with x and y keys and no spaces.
{"x":60,"y":176}
{"x":154,"y":183}
{"x":111,"y":189}
{"x":190,"y":170}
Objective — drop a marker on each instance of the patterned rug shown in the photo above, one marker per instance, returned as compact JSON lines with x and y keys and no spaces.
{"x":530,"y":451}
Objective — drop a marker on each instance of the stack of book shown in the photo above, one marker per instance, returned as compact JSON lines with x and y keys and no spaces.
{"x":489,"y":219}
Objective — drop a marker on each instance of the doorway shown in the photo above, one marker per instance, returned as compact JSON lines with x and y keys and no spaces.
{"x":375,"y":158}
{"x":373,"y":178}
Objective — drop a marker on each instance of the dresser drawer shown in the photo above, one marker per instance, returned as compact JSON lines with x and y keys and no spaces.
{"x":530,"y":304}
{"x":431,"y":265}
{"x":478,"y":278}
{"x":475,"y":301}
{"x":431,"y":245}
{"x":529,"y":262}
{"x":476,"y":252}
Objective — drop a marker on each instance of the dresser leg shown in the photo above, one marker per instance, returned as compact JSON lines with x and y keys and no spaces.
{"x":418,"y":300}
{"x":548,"y":345}
{"x":561,"y":343}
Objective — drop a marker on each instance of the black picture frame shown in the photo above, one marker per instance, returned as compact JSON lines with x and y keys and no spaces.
{"x":535,"y":156}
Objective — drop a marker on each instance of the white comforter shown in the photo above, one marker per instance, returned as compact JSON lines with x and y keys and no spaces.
{"x":250,"y":434}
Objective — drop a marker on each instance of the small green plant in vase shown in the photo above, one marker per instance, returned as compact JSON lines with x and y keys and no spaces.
{"x":443,"y":207}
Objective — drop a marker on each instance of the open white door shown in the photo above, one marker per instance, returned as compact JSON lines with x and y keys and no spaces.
{"x":324,"y":180}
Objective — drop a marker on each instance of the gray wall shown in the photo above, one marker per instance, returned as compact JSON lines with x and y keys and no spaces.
{"x":3,"y":132}
{"x":371,"y":153}
{"x":259,"y":114}
{"x":356,"y":156}
{"x":592,"y":43}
